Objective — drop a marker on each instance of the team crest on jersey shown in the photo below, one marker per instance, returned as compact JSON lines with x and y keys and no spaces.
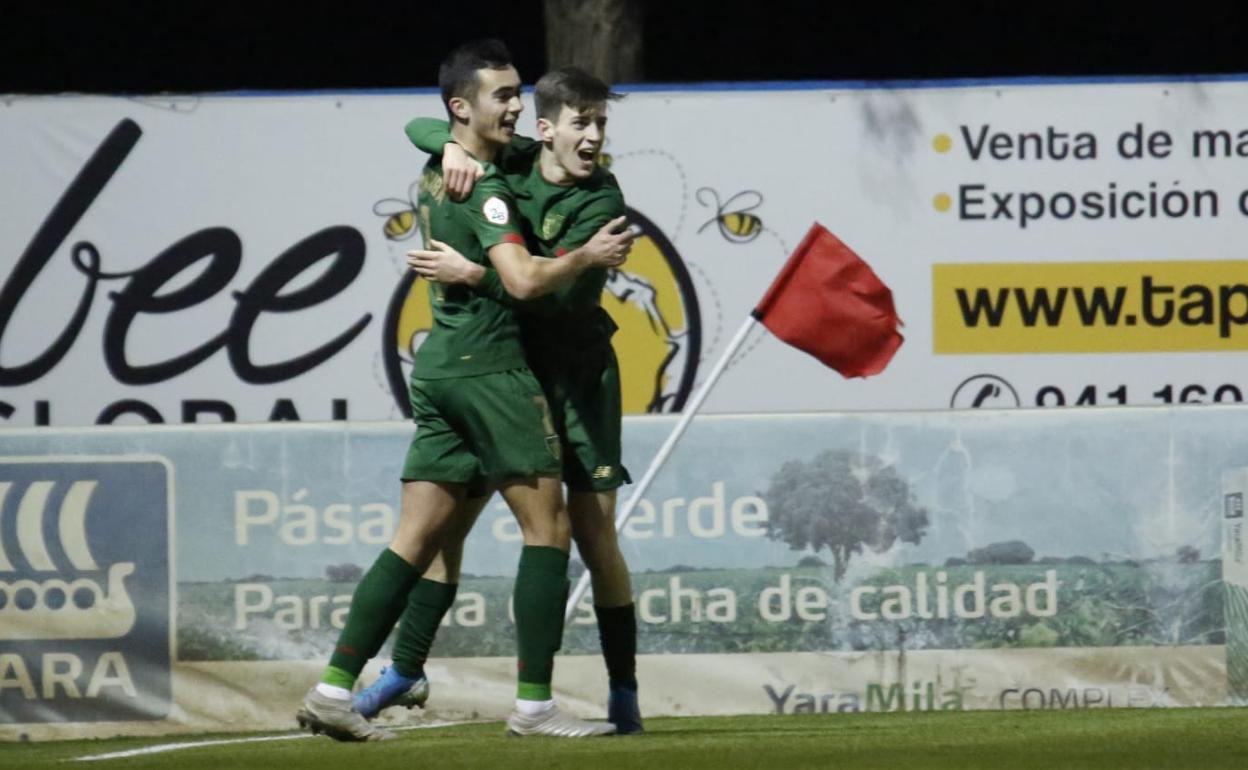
{"x":551,"y":225}
{"x":495,"y":210}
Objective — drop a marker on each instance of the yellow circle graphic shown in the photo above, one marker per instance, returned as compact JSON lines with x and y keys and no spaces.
{"x":651,"y":299}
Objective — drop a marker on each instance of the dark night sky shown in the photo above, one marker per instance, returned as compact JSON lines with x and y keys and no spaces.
{"x":139,"y":46}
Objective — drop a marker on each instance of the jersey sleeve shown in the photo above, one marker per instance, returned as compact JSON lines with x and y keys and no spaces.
{"x":432,"y":134}
{"x":491,"y":285}
{"x":428,"y":134}
{"x":597,"y":211}
{"x":521,"y":152}
{"x":491,"y":213}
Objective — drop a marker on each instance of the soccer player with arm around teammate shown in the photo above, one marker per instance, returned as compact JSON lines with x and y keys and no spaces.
{"x":564,"y":197}
{"x":481,"y":415}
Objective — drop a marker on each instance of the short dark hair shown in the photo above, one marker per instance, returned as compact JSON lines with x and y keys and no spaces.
{"x":457,"y":76}
{"x":572,"y":86}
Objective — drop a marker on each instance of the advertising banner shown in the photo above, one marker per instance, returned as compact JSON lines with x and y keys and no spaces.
{"x":197,"y":577}
{"x":240,"y":257}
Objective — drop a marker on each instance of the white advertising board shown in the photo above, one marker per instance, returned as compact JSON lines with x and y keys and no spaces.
{"x":206,"y":258}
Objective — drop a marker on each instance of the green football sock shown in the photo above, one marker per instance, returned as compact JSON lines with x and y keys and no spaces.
{"x":617,"y":631}
{"x":541,"y":592}
{"x":426,"y":604}
{"x":375,"y":608}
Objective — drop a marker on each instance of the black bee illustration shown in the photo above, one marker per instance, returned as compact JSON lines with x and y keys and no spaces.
{"x":733,"y":216}
{"x":400,"y":214}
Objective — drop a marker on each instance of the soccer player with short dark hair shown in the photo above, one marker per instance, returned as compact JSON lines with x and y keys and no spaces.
{"x":564,"y":197}
{"x":481,"y":416}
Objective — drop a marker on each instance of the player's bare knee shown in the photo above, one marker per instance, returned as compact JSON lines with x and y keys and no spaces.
{"x":551,"y":530}
{"x":586,"y":535}
{"x":595,"y":549}
{"x":592,"y":517}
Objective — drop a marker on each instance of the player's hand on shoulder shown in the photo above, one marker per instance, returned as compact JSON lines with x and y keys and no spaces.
{"x":460,"y":171}
{"x":609,"y":246}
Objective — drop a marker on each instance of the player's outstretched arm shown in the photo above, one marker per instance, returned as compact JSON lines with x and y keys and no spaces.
{"x":444,"y":264}
{"x":428,"y":134}
{"x":432,"y":134}
{"x":523,"y":275}
{"x":460,"y":171}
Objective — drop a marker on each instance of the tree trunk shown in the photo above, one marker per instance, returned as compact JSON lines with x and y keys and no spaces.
{"x":602,"y":37}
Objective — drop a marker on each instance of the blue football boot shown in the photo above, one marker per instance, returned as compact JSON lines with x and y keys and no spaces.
{"x":391,"y":689}
{"x":623,"y":711}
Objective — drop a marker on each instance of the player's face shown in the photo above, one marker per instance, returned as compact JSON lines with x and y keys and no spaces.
{"x":576,"y":138}
{"x":497,"y":105}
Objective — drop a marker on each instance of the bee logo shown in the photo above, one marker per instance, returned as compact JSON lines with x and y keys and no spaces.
{"x":733,"y":216}
{"x":400,"y":214}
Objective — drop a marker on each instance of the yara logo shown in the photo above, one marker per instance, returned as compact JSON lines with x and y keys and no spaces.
{"x":56,"y":608}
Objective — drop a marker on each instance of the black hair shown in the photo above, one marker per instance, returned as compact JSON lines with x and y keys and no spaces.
{"x":457,"y":76}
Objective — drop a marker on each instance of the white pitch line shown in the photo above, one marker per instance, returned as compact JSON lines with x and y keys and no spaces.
{"x":228,"y":741}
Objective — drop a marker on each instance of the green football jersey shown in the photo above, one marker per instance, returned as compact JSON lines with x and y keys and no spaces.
{"x":557,"y":219}
{"x":472,"y":333}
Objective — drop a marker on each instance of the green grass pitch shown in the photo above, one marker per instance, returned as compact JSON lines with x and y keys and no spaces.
{"x":1202,"y":739}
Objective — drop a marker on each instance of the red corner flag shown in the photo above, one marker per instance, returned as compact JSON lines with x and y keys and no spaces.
{"x":825,"y":301}
{"x":829,"y":303}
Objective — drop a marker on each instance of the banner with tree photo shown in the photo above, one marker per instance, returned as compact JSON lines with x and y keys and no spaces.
{"x":906,"y":560}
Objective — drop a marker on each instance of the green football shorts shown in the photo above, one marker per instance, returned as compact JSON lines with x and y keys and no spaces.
{"x":583,"y":389}
{"x":484,"y":428}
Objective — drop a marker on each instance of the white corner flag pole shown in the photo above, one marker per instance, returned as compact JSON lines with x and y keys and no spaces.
{"x":664,"y":451}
